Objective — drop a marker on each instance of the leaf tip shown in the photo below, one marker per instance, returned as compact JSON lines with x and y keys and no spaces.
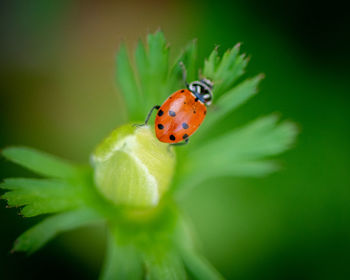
{"x":238,"y":45}
{"x":261,"y":76}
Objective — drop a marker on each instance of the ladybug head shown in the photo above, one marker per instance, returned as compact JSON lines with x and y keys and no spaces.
{"x":203,"y":90}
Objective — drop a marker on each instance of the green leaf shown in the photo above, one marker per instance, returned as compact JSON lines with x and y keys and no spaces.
{"x":164,"y":265}
{"x":152,"y":69}
{"x":158,"y":58}
{"x":34,"y":238}
{"x":211,"y":63}
{"x":199,"y":267}
{"x":196,"y":264}
{"x":225,"y":71}
{"x":41,"y":163}
{"x":241,"y":152}
{"x":230,"y":101}
{"x":127,"y":82}
{"x":142,"y":65}
{"x":189,"y":58}
{"x":122,"y":262}
{"x":40,"y":196}
{"x":147,"y":85}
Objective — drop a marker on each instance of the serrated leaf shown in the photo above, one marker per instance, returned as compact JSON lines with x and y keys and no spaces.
{"x":231,"y":67}
{"x":241,"y":152}
{"x":41,"y":162}
{"x":40,"y":196}
{"x":142,"y":73}
{"x":158,"y":61}
{"x":230,"y":101}
{"x":225,"y":71}
{"x":127,"y":82}
{"x":262,"y":138}
{"x":34,"y":238}
{"x":210,"y":64}
{"x":122,"y":262}
{"x":40,"y":187}
{"x":189,"y":58}
{"x":147,"y":85}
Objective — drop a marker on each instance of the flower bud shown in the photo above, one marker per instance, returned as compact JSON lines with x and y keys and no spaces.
{"x":132,"y":167}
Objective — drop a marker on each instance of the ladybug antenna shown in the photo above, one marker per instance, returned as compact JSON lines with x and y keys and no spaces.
{"x":200,"y":74}
{"x":184,"y":73}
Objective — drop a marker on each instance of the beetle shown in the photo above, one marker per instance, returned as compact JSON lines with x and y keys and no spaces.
{"x":182,"y":112}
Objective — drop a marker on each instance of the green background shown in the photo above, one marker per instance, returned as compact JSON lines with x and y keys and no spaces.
{"x":58,"y":94}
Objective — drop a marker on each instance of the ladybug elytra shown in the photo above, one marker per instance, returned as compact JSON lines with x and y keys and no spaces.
{"x":183,"y":112}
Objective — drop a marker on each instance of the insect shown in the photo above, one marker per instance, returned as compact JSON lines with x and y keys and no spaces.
{"x":183,"y":112}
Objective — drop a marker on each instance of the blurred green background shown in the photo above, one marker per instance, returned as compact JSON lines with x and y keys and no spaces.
{"x":58,"y":94}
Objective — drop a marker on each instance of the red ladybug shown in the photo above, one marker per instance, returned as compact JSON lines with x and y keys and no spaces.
{"x":183,"y":112}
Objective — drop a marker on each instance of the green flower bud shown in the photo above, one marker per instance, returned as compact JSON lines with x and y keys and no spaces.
{"x":132,"y":167}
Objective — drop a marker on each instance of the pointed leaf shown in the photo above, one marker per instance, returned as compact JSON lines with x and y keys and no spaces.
{"x":158,"y":58}
{"x":189,"y":58}
{"x":230,"y":101}
{"x":40,"y":196}
{"x":241,"y":152}
{"x":210,"y":64}
{"x":143,"y":75}
{"x":224,"y":71}
{"x":38,"y":235}
{"x":261,"y":138}
{"x":231,"y":67}
{"x":41,"y":163}
{"x":127,"y":82}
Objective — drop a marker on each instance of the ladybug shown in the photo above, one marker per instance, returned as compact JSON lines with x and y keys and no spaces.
{"x":183,"y":112}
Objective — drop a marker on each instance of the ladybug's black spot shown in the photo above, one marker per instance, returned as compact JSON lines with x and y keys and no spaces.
{"x":205,"y":112}
{"x":160,"y":113}
{"x":196,"y":99}
{"x":160,"y":126}
{"x":194,"y":112}
{"x":185,"y":125}
{"x":172,"y":114}
{"x":185,"y":136}
{"x":184,"y":102}
{"x":172,"y":137}
{"x":183,"y":90}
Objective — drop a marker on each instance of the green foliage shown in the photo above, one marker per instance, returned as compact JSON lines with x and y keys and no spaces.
{"x":164,"y":265}
{"x":261,"y":138}
{"x":225,"y":71}
{"x":152,"y":78}
{"x":156,"y":243}
{"x":127,"y":82}
{"x":34,"y":238}
{"x":41,"y":163}
{"x":230,"y":101}
{"x":122,"y":262}
{"x":242,"y":152}
{"x":63,"y":191}
{"x":41,"y":196}
{"x":197,"y":266}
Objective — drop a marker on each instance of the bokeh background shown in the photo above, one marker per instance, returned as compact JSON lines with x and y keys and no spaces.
{"x":58,"y":94}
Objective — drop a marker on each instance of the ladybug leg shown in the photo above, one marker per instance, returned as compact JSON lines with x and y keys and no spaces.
{"x":148,"y":116}
{"x":150,"y":113}
{"x":181,"y":143}
{"x":184,"y":73}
